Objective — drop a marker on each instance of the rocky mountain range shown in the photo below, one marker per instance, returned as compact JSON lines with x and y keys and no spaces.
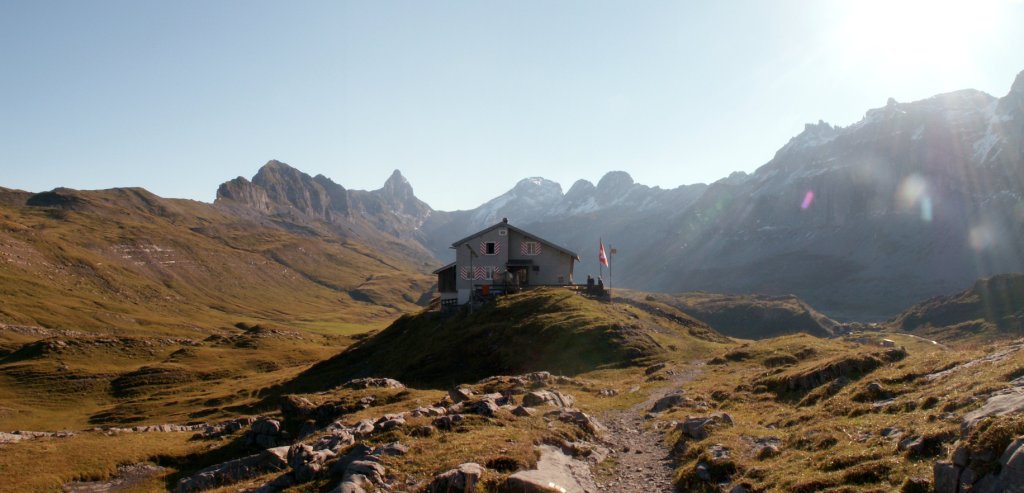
{"x":915,"y":200}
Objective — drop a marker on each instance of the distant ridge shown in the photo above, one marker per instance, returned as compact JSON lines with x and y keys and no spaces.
{"x":990,"y":309}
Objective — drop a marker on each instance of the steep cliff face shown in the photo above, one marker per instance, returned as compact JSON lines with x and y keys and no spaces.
{"x":387,"y":218}
{"x":393,"y":208}
{"x":245,"y":192}
{"x":287,"y":186}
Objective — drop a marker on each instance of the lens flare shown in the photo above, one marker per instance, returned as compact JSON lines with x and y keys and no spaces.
{"x":926,"y":209}
{"x":913,"y":194}
{"x":808,"y":200}
{"x":981,"y":237}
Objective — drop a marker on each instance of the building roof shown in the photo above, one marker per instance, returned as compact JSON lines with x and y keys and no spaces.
{"x":449,"y":266}
{"x":505,"y":224}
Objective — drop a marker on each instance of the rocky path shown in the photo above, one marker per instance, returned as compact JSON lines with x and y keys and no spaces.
{"x":642,"y":460}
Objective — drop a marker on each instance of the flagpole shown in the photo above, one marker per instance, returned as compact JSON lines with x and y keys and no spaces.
{"x":600,"y":265}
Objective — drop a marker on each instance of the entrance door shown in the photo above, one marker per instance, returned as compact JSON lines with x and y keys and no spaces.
{"x":520,"y":276}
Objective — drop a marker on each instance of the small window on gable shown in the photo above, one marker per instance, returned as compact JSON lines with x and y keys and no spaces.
{"x":530,"y":248}
{"x":490,"y":248}
{"x":502,"y":231}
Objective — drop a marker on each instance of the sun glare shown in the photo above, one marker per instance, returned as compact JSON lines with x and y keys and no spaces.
{"x":923,"y":33}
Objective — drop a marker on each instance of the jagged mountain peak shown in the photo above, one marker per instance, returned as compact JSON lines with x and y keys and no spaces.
{"x":579,"y":188}
{"x":613,"y":186}
{"x":816,"y":134}
{"x":534,"y":184}
{"x":397,"y":176}
{"x":397,"y":186}
{"x":615,"y":179}
{"x":1018,"y":84}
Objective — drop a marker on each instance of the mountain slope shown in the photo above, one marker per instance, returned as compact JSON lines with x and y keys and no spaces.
{"x":387,"y":218}
{"x":747,"y":316}
{"x":915,"y":200}
{"x":992,"y":308}
{"x":127,"y":260}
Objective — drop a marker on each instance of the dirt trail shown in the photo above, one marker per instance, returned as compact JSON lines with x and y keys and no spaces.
{"x":643,"y":462}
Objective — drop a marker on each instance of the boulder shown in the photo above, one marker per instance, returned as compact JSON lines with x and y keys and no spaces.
{"x":424,"y":431}
{"x":371,"y":470}
{"x":523,"y":411}
{"x":334,"y":441}
{"x":348,"y":487}
{"x":359,"y":451}
{"x":699,"y":428}
{"x":295,"y":408}
{"x":365,"y":383}
{"x":670,"y":401}
{"x":363,"y":428}
{"x":1010,"y":478}
{"x":390,"y":449}
{"x":306,"y":462}
{"x":947,"y":477}
{"x":655,"y":368}
{"x":390,"y":422}
{"x":582,"y":420}
{"x":1008,"y":401}
{"x":448,"y":422}
{"x":483,"y":407}
{"x":548,"y":397}
{"x":428,"y":411}
{"x":458,"y":395}
{"x":766,"y":452}
{"x":265,"y":433}
{"x":462,"y":479}
{"x":233,"y":471}
{"x":556,"y":472}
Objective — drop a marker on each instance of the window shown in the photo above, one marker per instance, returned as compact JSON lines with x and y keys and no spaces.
{"x":490,"y":248}
{"x":529,"y":248}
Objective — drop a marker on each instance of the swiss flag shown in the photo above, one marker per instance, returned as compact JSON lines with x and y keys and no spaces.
{"x":602,"y":257}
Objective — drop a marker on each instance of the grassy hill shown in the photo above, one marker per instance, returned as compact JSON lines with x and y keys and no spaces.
{"x":750,"y":316}
{"x":129,"y":262}
{"x":121,"y":307}
{"x":546,"y":329}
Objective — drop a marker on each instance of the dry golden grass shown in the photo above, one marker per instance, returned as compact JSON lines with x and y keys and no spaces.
{"x":834,"y":441}
{"x":44,"y":465}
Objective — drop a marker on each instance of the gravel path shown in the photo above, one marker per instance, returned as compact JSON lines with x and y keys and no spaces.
{"x":643,"y":463}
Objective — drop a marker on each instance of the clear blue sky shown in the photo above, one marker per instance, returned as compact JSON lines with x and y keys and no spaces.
{"x":465,"y":98}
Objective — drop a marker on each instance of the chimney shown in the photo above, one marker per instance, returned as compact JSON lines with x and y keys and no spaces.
{"x":504,"y":220}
